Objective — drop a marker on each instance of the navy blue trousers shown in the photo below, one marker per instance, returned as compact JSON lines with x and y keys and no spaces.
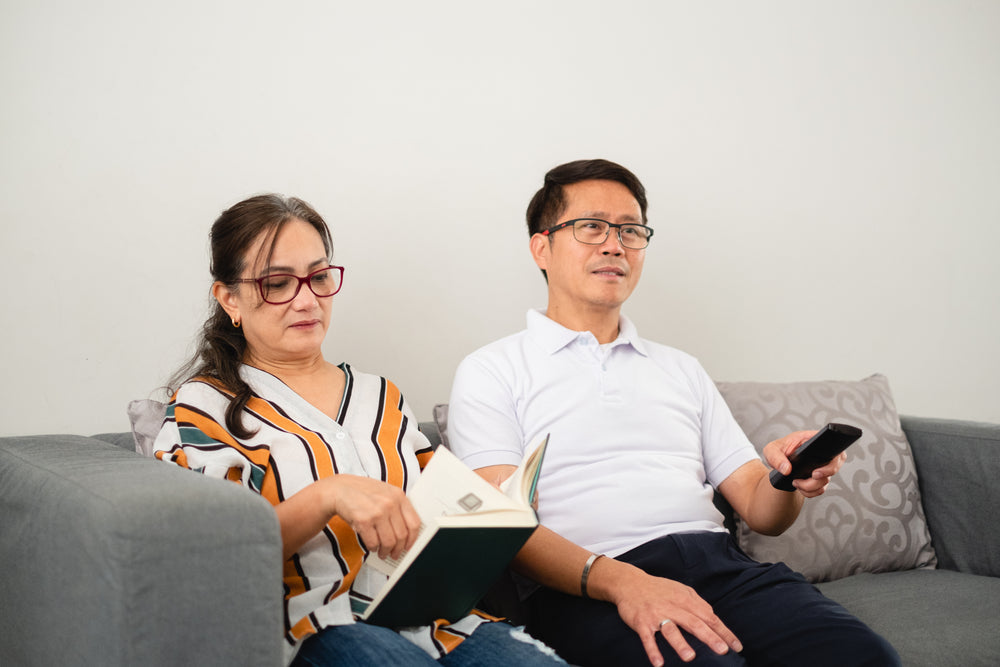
{"x":779,"y":617}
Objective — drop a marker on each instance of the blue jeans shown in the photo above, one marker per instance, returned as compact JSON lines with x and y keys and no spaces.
{"x":363,"y":645}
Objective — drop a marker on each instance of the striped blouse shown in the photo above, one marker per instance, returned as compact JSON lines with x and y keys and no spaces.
{"x":293,"y":445}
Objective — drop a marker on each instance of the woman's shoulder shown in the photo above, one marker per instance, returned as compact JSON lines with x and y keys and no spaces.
{"x":201,"y":389}
{"x":371,"y":389}
{"x":361,"y":378}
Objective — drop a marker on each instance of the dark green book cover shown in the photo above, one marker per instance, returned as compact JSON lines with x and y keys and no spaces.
{"x":451,"y":574}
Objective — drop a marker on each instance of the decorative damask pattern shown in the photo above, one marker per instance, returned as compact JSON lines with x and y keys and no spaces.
{"x":870,"y":518}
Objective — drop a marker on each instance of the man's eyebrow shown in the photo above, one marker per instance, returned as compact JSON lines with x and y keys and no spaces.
{"x":287,"y":269}
{"x":603,"y":215}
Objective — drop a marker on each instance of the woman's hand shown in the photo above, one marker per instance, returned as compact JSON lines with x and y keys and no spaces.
{"x":379,"y":513}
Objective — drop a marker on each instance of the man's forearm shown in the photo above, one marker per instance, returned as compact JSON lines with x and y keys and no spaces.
{"x":552,"y":561}
{"x":555,"y":562}
{"x":773,"y":511}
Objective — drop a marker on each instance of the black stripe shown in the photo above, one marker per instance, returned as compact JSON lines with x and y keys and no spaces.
{"x":284,"y":611}
{"x":380,"y":415}
{"x":336,"y":544}
{"x":348,"y":390}
{"x":399,"y":443}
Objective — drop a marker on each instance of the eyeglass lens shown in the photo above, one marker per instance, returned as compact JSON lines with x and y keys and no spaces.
{"x":595,"y":232}
{"x":283,"y":287}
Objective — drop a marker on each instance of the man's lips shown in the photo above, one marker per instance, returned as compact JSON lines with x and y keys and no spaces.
{"x":610,"y":271}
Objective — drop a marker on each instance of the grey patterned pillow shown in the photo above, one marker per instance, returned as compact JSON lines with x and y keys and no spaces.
{"x":870,"y":519}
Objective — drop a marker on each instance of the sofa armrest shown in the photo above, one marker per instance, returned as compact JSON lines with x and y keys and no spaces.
{"x":114,"y":559}
{"x":958,"y":465}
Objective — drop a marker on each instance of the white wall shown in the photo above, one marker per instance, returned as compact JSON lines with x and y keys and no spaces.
{"x":823,"y":179}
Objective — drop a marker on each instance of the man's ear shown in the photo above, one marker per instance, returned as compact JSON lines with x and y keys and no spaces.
{"x":539,"y":245}
{"x":227,"y":299}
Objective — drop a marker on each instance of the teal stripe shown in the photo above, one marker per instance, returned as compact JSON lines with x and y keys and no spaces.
{"x":256,"y":478}
{"x":191,"y":435}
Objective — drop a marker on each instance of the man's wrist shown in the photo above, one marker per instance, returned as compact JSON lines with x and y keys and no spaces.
{"x":585,"y":575}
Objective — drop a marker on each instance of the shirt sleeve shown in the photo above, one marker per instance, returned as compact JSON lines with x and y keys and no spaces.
{"x":193,"y":436}
{"x":483,"y":428}
{"x":724,"y":444}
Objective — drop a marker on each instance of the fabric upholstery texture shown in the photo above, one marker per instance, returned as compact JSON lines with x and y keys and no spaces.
{"x":959,"y":468}
{"x":870,"y":519}
{"x":121,"y":560}
{"x":931,"y":617}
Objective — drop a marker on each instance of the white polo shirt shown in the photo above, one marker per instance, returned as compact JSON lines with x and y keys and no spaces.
{"x":639,"y":433}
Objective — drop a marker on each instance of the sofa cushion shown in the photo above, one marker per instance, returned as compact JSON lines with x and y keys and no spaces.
{"x":931,"y":617}
{"x":870,"y":518}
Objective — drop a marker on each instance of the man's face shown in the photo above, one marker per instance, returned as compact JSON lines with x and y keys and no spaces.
{"x":590,"y":277}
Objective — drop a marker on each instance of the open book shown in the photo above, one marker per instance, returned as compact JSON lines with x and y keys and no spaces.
{"x":470,"y":531}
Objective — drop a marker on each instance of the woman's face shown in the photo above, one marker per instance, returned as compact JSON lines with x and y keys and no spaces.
{"x":280,"y":335}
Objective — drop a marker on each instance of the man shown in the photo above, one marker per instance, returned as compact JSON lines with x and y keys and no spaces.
{"x":634,"y":562}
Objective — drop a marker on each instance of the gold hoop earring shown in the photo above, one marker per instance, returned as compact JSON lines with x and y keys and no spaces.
{"x":236,"y":323}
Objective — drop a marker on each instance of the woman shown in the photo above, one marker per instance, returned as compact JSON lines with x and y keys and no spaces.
{"x":331,"y":448}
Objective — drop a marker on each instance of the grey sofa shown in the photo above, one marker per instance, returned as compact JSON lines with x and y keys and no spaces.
{"x":113,"y":559}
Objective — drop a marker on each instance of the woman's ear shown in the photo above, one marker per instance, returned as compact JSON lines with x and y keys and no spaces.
{"x":539,"y":245}
{"x":227,"y":299}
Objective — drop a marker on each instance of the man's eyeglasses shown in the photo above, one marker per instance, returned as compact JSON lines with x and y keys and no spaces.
{"x":279,"y":288}
{"x":594,"y":231}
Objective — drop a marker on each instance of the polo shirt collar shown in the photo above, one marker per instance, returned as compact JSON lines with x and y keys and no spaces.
{"x":552,"y":336}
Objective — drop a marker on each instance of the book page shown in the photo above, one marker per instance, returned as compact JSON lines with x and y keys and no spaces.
{"x":522,"y":486}
{"x":448,"y":488}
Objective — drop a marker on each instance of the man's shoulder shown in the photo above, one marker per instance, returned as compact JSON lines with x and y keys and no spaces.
{"x":662,"y":353}
{"x":501,"y":349}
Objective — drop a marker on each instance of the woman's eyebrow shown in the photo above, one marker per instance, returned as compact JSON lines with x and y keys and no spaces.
{"x":288,"y":269}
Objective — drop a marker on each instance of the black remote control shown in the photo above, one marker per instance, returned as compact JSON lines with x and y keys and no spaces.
{"x":814,"y":453}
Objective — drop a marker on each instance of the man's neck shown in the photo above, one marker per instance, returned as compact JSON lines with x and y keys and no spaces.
{"x":603,"y":323}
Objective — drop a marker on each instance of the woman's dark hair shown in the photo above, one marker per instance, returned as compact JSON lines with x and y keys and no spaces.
{"x":221,"y":345}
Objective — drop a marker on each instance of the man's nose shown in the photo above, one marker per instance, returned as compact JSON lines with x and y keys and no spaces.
{"x":612,"y":245}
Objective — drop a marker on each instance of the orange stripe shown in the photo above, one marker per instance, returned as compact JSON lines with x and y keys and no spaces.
{"x":179,"y":457}
{"x":423,"y":458}
{"x":388,"y":435}
{"x":448,"y":640}
{"x":321,"y":453}
{"x":350,"y":550}
{"x":303,"y":628}
{"x":488,"y":617}
{"x":295,"y":583}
